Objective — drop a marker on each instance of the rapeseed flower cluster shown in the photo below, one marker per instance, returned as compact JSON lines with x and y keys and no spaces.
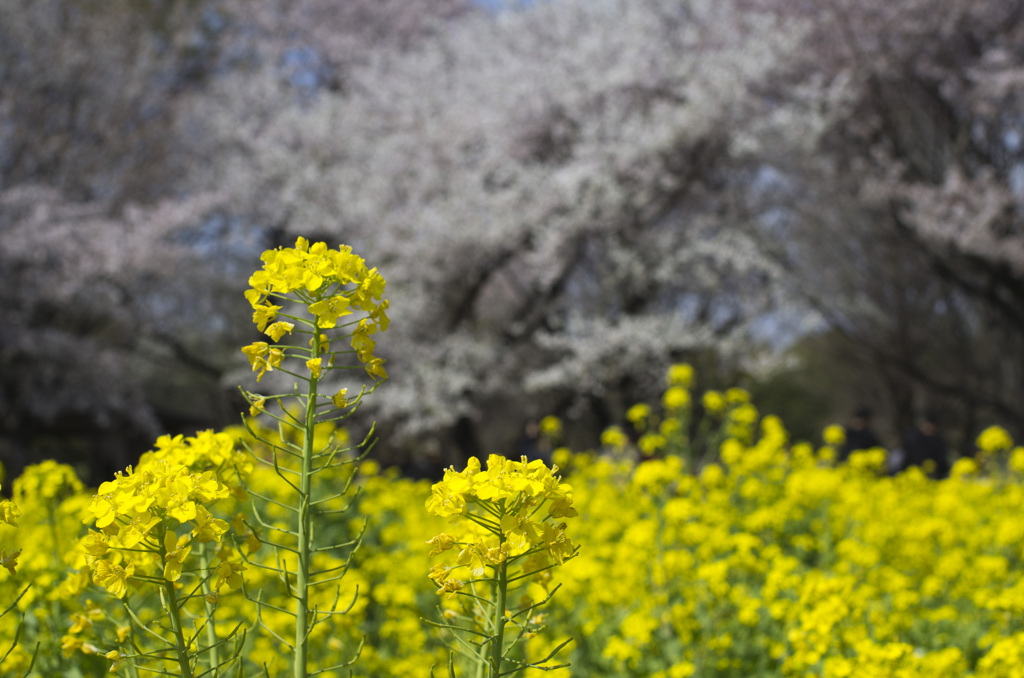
{"x":687,"y":426}
{"x":317,"y":287}
{"x":997,"y":452}
{"x":504,"y":497}
{"x":138,"y":516}
{"x":729,"y":550}
{"x":768,"y":562}
{"x":152,"y":528}
{"x":767,"y":559}
{"x":504,"y":541}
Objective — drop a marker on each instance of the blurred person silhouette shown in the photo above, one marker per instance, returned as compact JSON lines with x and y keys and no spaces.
{"x":859,"y":434}
{"x":925,"y":447}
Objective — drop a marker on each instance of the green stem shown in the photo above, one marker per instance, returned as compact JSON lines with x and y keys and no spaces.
{"x":55,"y":611}
{"x":498,"y":639}
{"x":304,"y":527}
{"x":179,"y":636}
{"x":211,"y":631}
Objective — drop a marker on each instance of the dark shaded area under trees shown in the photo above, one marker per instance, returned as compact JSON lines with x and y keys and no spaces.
{"x":821,"y":201}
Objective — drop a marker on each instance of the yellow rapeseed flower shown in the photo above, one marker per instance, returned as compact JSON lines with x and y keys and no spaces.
{"x":737,"y":396}
{"x":614,"y":437}
{"x":114,"y":578}
{"x":638,"y":415}
{"x":714,"y":402}
{"x":680,"y":374}
{"x":675,"y":398}
{"x":9,"y":561}
{"x":174,"y":556}
{"x":551,"y":426}
{"x":994,"y":439}
{"x":9,"y":513}
{"x":207,"y":527}
{"x":834,"y":435}
{"x":279,"y":329}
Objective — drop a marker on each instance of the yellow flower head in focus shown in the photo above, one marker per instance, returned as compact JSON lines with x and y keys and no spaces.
{"x":114,"y":578}
{"x":207,"y":527}
{"x":258,"y":405}
{"x":495,"y":516}
{"x":174,"y":557}
{"x":340,"y":399}
{"x":441,"y":543}
{"x":279,"y":329}
{"x":328,"y":285}
{"x":228,"y":574}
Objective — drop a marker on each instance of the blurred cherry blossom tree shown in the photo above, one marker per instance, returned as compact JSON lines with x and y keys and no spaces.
{"x":902,"y":224}
{"x":547,"y":191}
{"x":564,"y":196}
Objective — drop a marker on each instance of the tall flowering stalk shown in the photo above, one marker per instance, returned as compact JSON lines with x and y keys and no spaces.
{"x":506,"y":544}
{"x":333,"y":302}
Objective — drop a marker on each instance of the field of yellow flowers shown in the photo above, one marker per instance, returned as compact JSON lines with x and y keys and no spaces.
{"x":697,"y":541}
{"x":769,"y":561}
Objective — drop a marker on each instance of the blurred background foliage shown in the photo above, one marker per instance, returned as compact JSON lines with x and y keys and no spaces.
{"x":818,"y":200}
